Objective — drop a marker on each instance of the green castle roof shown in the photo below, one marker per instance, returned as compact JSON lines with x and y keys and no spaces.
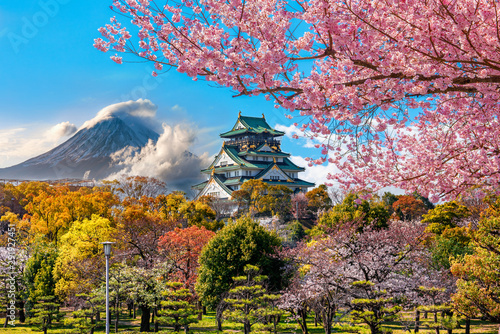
{"x":233,"y":153}
{"x":253,"y":125}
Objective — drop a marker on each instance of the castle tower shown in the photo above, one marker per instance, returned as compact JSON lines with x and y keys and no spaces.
{"x":251,"y":150}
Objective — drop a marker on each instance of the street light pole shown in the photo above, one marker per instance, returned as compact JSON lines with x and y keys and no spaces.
{"x":107,"y":253}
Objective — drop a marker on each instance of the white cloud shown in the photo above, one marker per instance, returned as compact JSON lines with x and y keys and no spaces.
{"x":295,"y":133}
{"x":21,"y":143}
{"x":141,"y":109}
{"x":169,"y":159}
{"x":289,"y":130}
{"x":315,"y":173}
{"x":60,"y":130}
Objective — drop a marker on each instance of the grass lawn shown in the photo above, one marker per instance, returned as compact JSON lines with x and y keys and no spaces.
{"x":208,"y":324}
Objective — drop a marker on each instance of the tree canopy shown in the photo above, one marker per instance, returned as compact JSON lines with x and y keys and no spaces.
{"x":226,"y":254}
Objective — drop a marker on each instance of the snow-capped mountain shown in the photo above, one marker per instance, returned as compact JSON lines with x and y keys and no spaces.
{"x":87,"y":154}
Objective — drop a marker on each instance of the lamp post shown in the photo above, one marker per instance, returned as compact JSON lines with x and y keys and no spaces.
{"x":107,"y":253}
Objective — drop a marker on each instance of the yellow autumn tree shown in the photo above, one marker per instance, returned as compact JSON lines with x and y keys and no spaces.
{"x":80,"y":262}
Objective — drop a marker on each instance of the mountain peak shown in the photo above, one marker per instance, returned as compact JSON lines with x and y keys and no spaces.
{"x":87,"y":153}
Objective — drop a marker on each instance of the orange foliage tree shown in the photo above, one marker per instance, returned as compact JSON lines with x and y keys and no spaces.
{"x":408,"y":207}
{"x":140,"y":225}
{"x":182,"y":247}
{"x":52,"y":210}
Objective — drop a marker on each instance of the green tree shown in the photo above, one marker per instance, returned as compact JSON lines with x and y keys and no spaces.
{"x":478,"y":288}
{"x":45,"y":312}
{"x":38,"y":274}
{"x":177,"y":308}
{"x":239,"y":243}
{"x":84,"y":320}
{"x":81,"y":321}
{"x":197,"y":213}
{"x":354,"y":208}
{"x":297,"y":232}
{"x":277,"y":201}
{"x":435,"y":305}
{"x":249,"y":303}
{"x":146,"y":287}
{"x":444,"y":216}
{"x":373,"y":308}
{"x":250,"y":196}
{"x":451,"y":244}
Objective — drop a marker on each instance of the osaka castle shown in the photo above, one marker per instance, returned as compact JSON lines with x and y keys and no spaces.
{"x":251,"y":150}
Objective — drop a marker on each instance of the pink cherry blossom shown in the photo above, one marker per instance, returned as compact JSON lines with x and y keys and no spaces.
{"x":416,"y":82}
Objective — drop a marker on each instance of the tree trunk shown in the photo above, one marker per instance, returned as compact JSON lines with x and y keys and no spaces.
{"x":303,"y":322}
{"x":116,"y":319}
{"x":246,"y":327}
{"x":218,"y":315}
{"x":467,"y":326}
{"x":145,"y":315}
{"x":156,"y":320}
{"x":417,"y":321}
{"x":219,"y":324}
{"x":22,"y":315}
{"x":373,"y":329}
{"x":200,"y":310}
{"x":6,"y":320}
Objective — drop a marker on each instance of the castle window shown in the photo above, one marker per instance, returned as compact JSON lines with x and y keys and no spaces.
{"x":274,"y":177}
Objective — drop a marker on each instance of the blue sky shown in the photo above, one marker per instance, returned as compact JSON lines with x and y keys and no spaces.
{"x":51,"y":74}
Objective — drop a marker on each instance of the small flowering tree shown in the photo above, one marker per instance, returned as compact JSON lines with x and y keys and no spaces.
{"x":367,"y":272}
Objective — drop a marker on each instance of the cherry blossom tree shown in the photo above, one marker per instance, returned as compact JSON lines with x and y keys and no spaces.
{"x":331,"y":267}
{"x":401,"y":93}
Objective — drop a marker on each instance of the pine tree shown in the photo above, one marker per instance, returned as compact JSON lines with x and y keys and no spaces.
{"x":178,"y":310}
{"x":447,"y":321}
{"x":83,"y":321}
{"x":374,"y":309}
{"x":249,"y":302}
{"x":45,"y":312}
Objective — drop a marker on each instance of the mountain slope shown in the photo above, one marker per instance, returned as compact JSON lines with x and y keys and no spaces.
{"x":86,"y":154}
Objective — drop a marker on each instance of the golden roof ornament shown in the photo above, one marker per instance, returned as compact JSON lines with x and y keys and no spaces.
{"x":263,"y":116}
{"x":239,"y":114}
